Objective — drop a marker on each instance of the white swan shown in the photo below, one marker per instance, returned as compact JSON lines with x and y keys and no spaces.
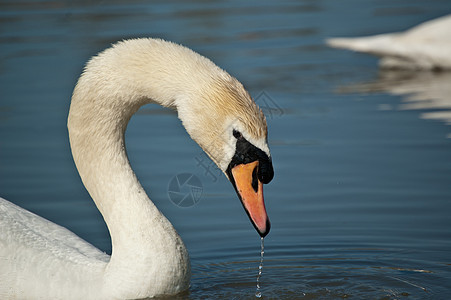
{"x":41,"y":260}
{"x":426,"y":46}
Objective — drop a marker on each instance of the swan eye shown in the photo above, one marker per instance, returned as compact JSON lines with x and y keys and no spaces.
{"x":237,"y":134}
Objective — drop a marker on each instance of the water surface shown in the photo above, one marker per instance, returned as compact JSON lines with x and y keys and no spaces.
{"x":361,"y":199}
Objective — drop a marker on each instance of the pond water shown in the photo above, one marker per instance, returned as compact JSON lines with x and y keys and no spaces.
{"x":360,"y":204}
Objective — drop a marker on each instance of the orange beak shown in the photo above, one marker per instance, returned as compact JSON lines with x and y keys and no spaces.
{"x":250,"y":191}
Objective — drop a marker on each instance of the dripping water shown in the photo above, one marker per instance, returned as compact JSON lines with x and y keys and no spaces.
{"x":258,"y":292}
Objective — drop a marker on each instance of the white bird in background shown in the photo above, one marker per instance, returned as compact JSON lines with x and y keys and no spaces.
{"x":41,"y":260}
{"x":426,"y":46}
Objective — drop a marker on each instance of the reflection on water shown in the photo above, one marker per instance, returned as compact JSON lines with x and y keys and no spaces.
{"x":360,"y":273}
{"x":429,"y":92}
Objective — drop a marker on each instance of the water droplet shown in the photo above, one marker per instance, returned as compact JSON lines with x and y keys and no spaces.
{"x":258,"y":293}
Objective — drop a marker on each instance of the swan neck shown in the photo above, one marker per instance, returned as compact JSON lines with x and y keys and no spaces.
{"x":145,"y":247}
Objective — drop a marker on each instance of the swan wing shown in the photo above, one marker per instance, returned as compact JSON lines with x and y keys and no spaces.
{"x":18,"y":225}
{"x":33,"y":250}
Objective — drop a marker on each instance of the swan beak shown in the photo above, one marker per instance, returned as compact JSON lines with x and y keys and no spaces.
{"x":250,"y":191}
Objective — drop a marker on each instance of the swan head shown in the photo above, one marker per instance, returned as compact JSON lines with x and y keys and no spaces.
{"x":232,"y":130}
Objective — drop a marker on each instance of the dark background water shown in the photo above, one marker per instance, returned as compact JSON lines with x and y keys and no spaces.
{"x":361,"y":200}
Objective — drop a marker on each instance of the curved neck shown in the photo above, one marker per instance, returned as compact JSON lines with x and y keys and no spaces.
{"x":145,"y":246}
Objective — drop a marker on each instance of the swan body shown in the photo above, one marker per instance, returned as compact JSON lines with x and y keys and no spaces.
{"x":425,"y":46}
{"x":42,"y":260}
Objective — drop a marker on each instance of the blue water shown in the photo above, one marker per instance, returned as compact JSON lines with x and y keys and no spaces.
{"x":360,"y":204}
